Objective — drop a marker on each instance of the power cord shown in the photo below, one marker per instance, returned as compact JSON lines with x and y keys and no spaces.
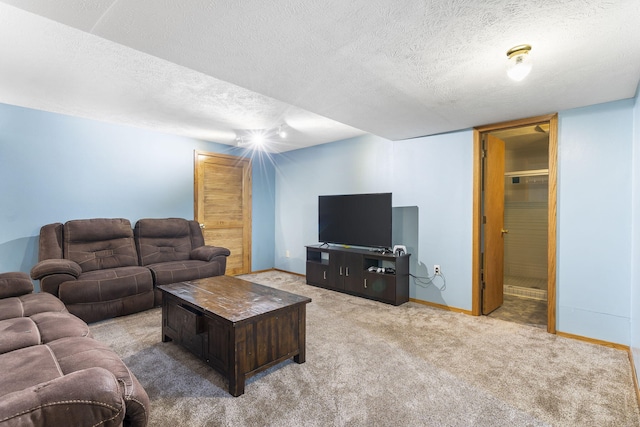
{"x":425,"y":282}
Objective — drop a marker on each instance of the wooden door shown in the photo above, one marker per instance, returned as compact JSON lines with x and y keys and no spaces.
{"x":493,"y":258}
{"x":222,"y":202}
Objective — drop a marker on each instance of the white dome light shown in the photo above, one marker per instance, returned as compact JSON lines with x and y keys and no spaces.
{"x":519,"y":63}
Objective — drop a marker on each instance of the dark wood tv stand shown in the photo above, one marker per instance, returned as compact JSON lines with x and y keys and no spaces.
{"x":348,"y":270}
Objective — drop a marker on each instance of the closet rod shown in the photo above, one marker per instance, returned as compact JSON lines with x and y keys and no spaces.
{"x":532,"y":172}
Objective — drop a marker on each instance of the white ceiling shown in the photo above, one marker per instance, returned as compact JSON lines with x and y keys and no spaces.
{"x":329,"y":69}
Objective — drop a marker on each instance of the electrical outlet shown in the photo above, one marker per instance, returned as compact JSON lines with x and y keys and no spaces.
{"x":287,"y":254}
{"x":436,"y":269}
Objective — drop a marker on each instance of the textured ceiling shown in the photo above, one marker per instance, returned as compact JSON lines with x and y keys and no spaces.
{"x":329,"y":69}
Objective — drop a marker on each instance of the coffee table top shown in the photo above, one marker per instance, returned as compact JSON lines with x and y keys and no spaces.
{"x":232,"y":298}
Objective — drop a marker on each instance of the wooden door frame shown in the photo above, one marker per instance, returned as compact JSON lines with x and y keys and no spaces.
{"x":552,"y":119}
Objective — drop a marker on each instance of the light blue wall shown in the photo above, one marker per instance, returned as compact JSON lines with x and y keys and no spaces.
{"x":635,"y":256}
{"x":433,"y":174}
{"x":594,"y":221}
{"x":54,"y":168}
{"x":263,"y":210}
{"x":357,"y":165}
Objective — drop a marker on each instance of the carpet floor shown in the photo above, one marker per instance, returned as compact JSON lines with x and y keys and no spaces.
{"x":373,"y":364}
{"x":522,"y":310}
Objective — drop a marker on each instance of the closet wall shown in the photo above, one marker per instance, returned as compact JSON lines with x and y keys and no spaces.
{"x":526,"y":207}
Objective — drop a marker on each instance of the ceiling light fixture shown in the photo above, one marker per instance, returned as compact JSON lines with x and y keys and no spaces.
{"x":258,"y":138}
{"x":519,"y":63}
{"x":282,"y":131}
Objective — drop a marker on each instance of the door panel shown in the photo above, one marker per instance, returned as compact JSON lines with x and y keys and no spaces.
{"x":233,"y":240}
{"x":493,"y":268}
{"x":223,"y":206}
{"x":351,"y":267}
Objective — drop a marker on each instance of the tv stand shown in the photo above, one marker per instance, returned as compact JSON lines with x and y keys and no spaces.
{"x":349,"y":270}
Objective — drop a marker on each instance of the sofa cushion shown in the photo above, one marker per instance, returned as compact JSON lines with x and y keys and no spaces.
{"x":101,"y":294}
{"x":180,"y":271}
{"x":53,"y":326}
{"x":27,"y":367}
{"x":74,"y":354}
{"x":14,"y":284}
{"x":162,"y":240}
{"x":18,"y":333}
{"x":30,"y":304}
{"x":106,"y":285}
{"x":40,"y":328}
{"x":101,"y":243}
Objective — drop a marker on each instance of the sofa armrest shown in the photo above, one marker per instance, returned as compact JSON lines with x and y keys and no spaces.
{"x":55,"y":266}
{"x":15,"y":284}
{"x":208,"y":253}
{"x":88,"y":397}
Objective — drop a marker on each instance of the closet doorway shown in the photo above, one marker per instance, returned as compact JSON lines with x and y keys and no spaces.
{"x":514,"y":269}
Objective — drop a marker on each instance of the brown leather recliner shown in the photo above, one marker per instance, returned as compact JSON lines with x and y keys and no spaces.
{"x":92,"y":266}
{"x":53,"y":372}
{"x":174,"y":250}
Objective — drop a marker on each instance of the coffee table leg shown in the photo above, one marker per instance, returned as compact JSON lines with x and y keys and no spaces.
{"x":165,"y":337}
{"x":236,"y":385}
{"x":302,"y":334}
{"x":237,"y":354}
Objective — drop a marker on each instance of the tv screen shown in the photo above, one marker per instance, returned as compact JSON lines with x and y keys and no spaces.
{"x":355,"y":219}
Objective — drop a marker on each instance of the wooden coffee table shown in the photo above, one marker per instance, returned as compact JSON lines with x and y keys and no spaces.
{"x":239,"y":328}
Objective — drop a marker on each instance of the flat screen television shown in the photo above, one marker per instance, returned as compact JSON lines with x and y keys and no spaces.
{"x":355,"y":219}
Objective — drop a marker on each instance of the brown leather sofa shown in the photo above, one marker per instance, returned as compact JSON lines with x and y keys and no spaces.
{"x":53,"y":372}
{"x":99,"y":269}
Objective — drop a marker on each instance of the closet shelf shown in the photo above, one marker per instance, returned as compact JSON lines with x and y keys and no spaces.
{"x":531,"y":172}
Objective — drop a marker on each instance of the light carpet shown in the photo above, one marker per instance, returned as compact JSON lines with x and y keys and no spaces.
{"x":373,"y":364}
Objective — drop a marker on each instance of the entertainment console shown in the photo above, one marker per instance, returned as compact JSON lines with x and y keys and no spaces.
{"x":380,"y":276}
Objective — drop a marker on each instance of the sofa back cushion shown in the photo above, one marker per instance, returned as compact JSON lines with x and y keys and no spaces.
{"x":163,"y":240}
{"x":100,"y":243}
{"x":15,"y":284}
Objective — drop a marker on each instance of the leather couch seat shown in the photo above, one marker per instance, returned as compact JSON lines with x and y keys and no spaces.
{"x":30,"y":304}
{"x":40,"y":328}
{"x":99,"y":294}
